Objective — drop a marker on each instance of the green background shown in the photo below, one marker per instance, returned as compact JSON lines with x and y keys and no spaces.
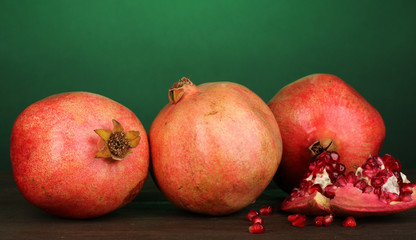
{"x":133,"y":51}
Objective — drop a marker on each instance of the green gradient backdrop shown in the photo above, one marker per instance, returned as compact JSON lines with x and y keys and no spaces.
{"x":133,"y":51}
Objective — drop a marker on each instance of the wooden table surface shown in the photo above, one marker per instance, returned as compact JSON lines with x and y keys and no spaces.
{"x":151,"y":216}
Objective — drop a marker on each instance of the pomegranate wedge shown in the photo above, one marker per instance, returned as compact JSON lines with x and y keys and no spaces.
{"x":376,"y":188}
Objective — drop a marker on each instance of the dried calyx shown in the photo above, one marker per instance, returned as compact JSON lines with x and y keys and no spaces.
{"x":319,"y":147}
{"x":177,"y":90}
{"x":376,"y":188}
{"x":117,"y":143}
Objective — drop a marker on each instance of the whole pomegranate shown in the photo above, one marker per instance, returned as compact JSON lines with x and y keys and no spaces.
{"x":321,"y":112}
{"x":214,"y":148}
{"x":72,"y":157}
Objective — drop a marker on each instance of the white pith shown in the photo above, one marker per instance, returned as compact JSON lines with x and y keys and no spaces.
{"x":322,"y":179}
{"x":391,"y":185}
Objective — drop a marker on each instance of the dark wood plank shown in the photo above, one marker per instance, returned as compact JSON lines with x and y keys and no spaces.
{"x":151,"y":216}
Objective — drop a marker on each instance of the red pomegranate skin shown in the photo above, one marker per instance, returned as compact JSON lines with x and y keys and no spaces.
{"x":216,"y":149}
{"x":323,"y":107}
{"x":52,"y":150}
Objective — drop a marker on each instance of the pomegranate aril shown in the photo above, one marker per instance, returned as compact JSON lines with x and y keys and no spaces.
{"x":257,"y":219}
{"x":349,"y":222}
{"x":328,"y":220}
{"x":367,"y":166}
{"x":399,"y":177}
{"x":330,"y":191}
{"x":391,"y":163}
{"x":361,"y":184}
{"x":377,"y":191}
{"x":300,"y":222}
{"x":341,"y":168}
{"x":379,"y":161}
{"x":251,"y":214}
{"x":334,"y":156}
{"x":293,"y":217}
{"x":312,"y":167}
{"x":405,"y":197}
{"x":297,"y":220}
{"x":377,"y":182}
{"x":384,"y":174}
{"x":341,"y":181}
{"x":315,"y":188}
{"x":305,"y":184}
{"x":266,"y":210}
{"x":393,"y":196}
{"x":256,"y":228}
{"x":325,"y":157}
{"x":406,"y":188}
{"x":368,"y":189}
{"x":329,"y":169}
{"x":318,"y":221}
{"x":351,"y":178}
{"x":369,"y":173}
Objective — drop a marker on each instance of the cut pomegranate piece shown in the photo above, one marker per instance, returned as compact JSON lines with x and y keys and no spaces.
{"x":349,"y":222}
{"x":376,"y":188}
{"x":256,"y":228}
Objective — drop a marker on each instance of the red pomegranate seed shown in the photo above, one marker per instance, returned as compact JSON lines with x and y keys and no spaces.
{"x":328,"y":220}
{"x":266,"y":210}
{"x":315,"y":188}
{"x":406,"y":197}
{"x":251,"y":214}
{"x":351,"y":178}
{"x":257,"y":219}
{"x":300,"y":222}
{"x":369,"y":173}
{"x":341,"y":168}
{"x":361,"y":184}
{"x":256,"y":228}
{"x":341,"y":181}
{"x":330,"y":191}
{"x":293,"y":217}
{"x":377,"y":191}
{"x":318,"y":221}
{"x":406,"y":188}
{"x":393,"y":196}
{"x":297,"y":220}
{"x":377,"y":182}
{"x":334,"y":156}
{"x":384,"y":174}
{"x":391,"y":163}
{"x":349,"y":222}
{"x":368,"y":189}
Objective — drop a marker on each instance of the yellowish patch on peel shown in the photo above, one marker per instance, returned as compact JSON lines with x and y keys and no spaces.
{"x":321,"y":200}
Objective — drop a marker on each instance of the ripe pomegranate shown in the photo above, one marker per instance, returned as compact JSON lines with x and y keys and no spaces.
{"x":215,"y":147}
{"x":376,"y":188}
{"x":72,"y":160}
{"x":321,"y":112}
